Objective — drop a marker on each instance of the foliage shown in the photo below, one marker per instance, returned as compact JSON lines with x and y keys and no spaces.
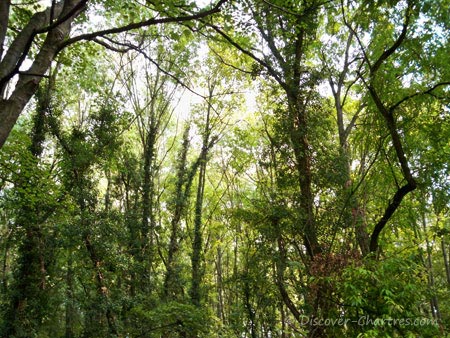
{"x":250,"y":169}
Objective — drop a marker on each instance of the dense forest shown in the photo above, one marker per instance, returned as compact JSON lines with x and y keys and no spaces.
{"x":233,"y":168}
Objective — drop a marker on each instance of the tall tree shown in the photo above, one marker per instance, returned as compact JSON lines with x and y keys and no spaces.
{"x":43,"y":33}
{"x":290,"y":177}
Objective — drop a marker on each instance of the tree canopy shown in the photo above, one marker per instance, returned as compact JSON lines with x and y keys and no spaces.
{"x":254,"y":168}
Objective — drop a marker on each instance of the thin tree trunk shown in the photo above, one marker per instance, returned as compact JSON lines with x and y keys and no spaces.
{"x":283,"y":321}
{"x":446,"y":259}
{"x":7,"y":241}
{"x":197,"y":243}
{"x":147,"y":228}
{"x":70,"y":308}
{"x":247,"y":302}
{"x":280,"y":269}
{"x":433,"y":301}
{"x":354,"y":218}
{"x":170,"y":280}
{"x":102,"y":290}
{"x":220,"y":303}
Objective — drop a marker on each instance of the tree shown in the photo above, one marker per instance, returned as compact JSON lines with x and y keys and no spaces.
{"x":28,"y":294}
{"x":290,"y":36}
{"x":45,"y":33}
{"x":258,"y":172}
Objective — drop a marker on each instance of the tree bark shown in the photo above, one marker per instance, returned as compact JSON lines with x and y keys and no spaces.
{"x":410,"y":181}
{"x":4,"y":16}
{"x":28,"y":82}
{"x":63,"y":13}
{"x":303,"y":155}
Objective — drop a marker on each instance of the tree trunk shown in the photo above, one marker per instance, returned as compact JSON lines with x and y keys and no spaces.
{"x":70,"y":308}
{"x":102,"y":290}
{"x":4,"y":18}
{"x":28,"y":301}
{"x":353,"y":213}
{"x":446,"y":259}
{"x":170,"y":280}
{"x":219,"y":283}
{"x":28,"y":82}
{"x":433,"y":301}
{"x":298,"y":132}
{"x":197,"y":243}
{"x":148,"y":218}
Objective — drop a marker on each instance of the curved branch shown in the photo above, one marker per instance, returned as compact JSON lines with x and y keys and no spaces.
{"x":39,"y":23}
{"x":56,"y":40}
{"x":261,"y":62}
{"x":411,"y":182}
{"x":388,"y":52}
{"x":391,"y":208}
{"x":27,"y":85}
{"x":20,"y":46}
{"x":141,"y":24}
{"x":406,"y":98}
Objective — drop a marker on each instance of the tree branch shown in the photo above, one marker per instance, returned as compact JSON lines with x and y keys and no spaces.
{"x":27,"y":85}
{"x":222,"y":60}
{"x":19,"y":48}
{"x":388,"y":52}
{"x":269,"y":38}
{"x":141,"y":24}
{"x":264,"y":64}
{"x":68,"y":12}
{"x":56,"y":40}
{"x":406,"y":98}
{"x":411,"y":182}
{"x":353,"y":32}
{"x":391,"y":208}
{"x":4,"y":15}
{"x":37,"y":25}
{"x":353,"y":121}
